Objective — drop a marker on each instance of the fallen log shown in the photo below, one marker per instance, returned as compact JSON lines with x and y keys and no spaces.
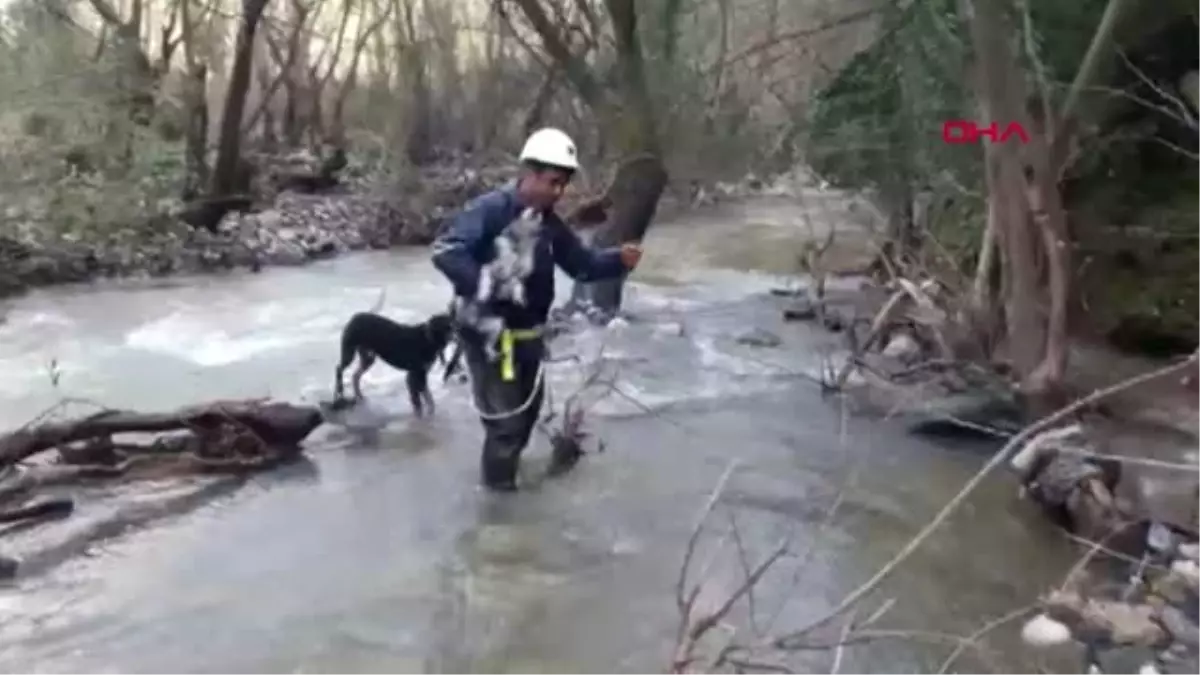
{"x":230,"y":438}
{"x":46,"y":508}
{"x":220,"y":429}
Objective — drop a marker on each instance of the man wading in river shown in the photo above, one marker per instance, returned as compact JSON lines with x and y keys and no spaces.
{"x":509,"y":391}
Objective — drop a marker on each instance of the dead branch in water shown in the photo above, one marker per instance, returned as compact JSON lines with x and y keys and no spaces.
{"x":999,"y":458}
{"x":279,"y":425}
{"x":913,"y":309}
{"x":567,"y":430}
{"x":216,"y":437}
{"x":767,"y":653}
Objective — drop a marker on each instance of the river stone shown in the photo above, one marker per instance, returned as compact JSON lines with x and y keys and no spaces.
{"x":321,"y":246}
{"x":803,"y":309}
{"x":902,"y":347}
{"x":1181,"y":629}
{"x":759,"y":337}
{"x":284,"y":253}
{"x":10,"y":284}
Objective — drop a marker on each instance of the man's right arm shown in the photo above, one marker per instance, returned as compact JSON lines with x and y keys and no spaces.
{"x":454,"y":250}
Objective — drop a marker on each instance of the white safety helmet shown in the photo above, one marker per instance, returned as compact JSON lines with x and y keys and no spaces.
{"x":551,"y":147}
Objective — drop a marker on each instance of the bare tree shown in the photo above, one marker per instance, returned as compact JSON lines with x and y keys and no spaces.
{"x":1026,"y":220}
{"x":628,"y":117}
{"x":337,"y":122}
{"x":412,"y":56}
{"x":287,"y":58}
{"x":195,"y":103}
{"x":230,"y":176}
{"x":136,"y":74}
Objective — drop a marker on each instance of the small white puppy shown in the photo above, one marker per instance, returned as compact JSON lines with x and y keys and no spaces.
{"x":503,"y":278}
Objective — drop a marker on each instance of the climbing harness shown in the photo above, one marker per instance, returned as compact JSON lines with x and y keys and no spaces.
{"x":508,"y":339}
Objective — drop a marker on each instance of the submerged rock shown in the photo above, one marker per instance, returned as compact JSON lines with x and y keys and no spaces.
{"x":759,"y":337}
{"x":970,"y":413}
{"x":802,"y":309}
{"x":903,"y":347}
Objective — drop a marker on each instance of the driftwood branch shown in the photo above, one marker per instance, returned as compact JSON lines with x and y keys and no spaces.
{"x":219,"y":437}
{"x":278,"y":425}
{"x":1001,"y":456}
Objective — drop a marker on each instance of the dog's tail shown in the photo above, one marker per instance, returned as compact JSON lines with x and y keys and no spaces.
{"x":379,"y":303}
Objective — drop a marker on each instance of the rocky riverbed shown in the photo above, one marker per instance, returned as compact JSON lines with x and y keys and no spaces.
{"x":289,"y":229}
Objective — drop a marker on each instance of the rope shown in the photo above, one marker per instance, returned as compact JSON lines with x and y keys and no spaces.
{"x":538,"y":379}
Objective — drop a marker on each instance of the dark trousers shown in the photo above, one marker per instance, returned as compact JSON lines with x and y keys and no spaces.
{"x":506,"y":433}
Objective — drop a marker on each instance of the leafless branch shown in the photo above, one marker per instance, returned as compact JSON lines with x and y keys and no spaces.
{"x":1183,"y":114}
{"x":974,"y":638}
{"x":783,"y":39}
{"x":790,"y":639}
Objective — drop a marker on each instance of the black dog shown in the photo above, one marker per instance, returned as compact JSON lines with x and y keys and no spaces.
{"x":411,"y":348}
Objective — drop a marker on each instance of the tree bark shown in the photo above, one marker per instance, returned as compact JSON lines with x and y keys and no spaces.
{"x":1049,"y":149}
{"x":1002,"y":97}
{"x":1050,"y":220}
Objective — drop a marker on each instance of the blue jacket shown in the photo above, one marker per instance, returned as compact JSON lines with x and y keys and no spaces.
{"x":466,"y":244}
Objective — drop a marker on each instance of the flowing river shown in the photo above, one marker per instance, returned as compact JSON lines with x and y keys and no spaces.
{"x":380,"y":554}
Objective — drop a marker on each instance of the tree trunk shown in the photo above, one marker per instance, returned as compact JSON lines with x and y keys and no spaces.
{"x":634,"y":194}
{"x":630,"y":122}
{"x":196,"y":104}
{"x":1003,"y":98}
{"x":136,"y":76}
{"x":1049,"y":219}
{"x":1049,"y":149}
{"x":226,"y":172}
{"x":418,"y":137}
{"x":337,"y":124}
{"x":545,"y":94}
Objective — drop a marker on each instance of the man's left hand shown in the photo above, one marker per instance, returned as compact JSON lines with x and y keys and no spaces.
{"x":631,"y":255}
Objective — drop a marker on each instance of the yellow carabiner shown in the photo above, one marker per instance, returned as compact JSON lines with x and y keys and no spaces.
{"x":507,"y":371}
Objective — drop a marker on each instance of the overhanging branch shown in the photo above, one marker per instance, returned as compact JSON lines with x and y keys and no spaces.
{"x":556,"y":46}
